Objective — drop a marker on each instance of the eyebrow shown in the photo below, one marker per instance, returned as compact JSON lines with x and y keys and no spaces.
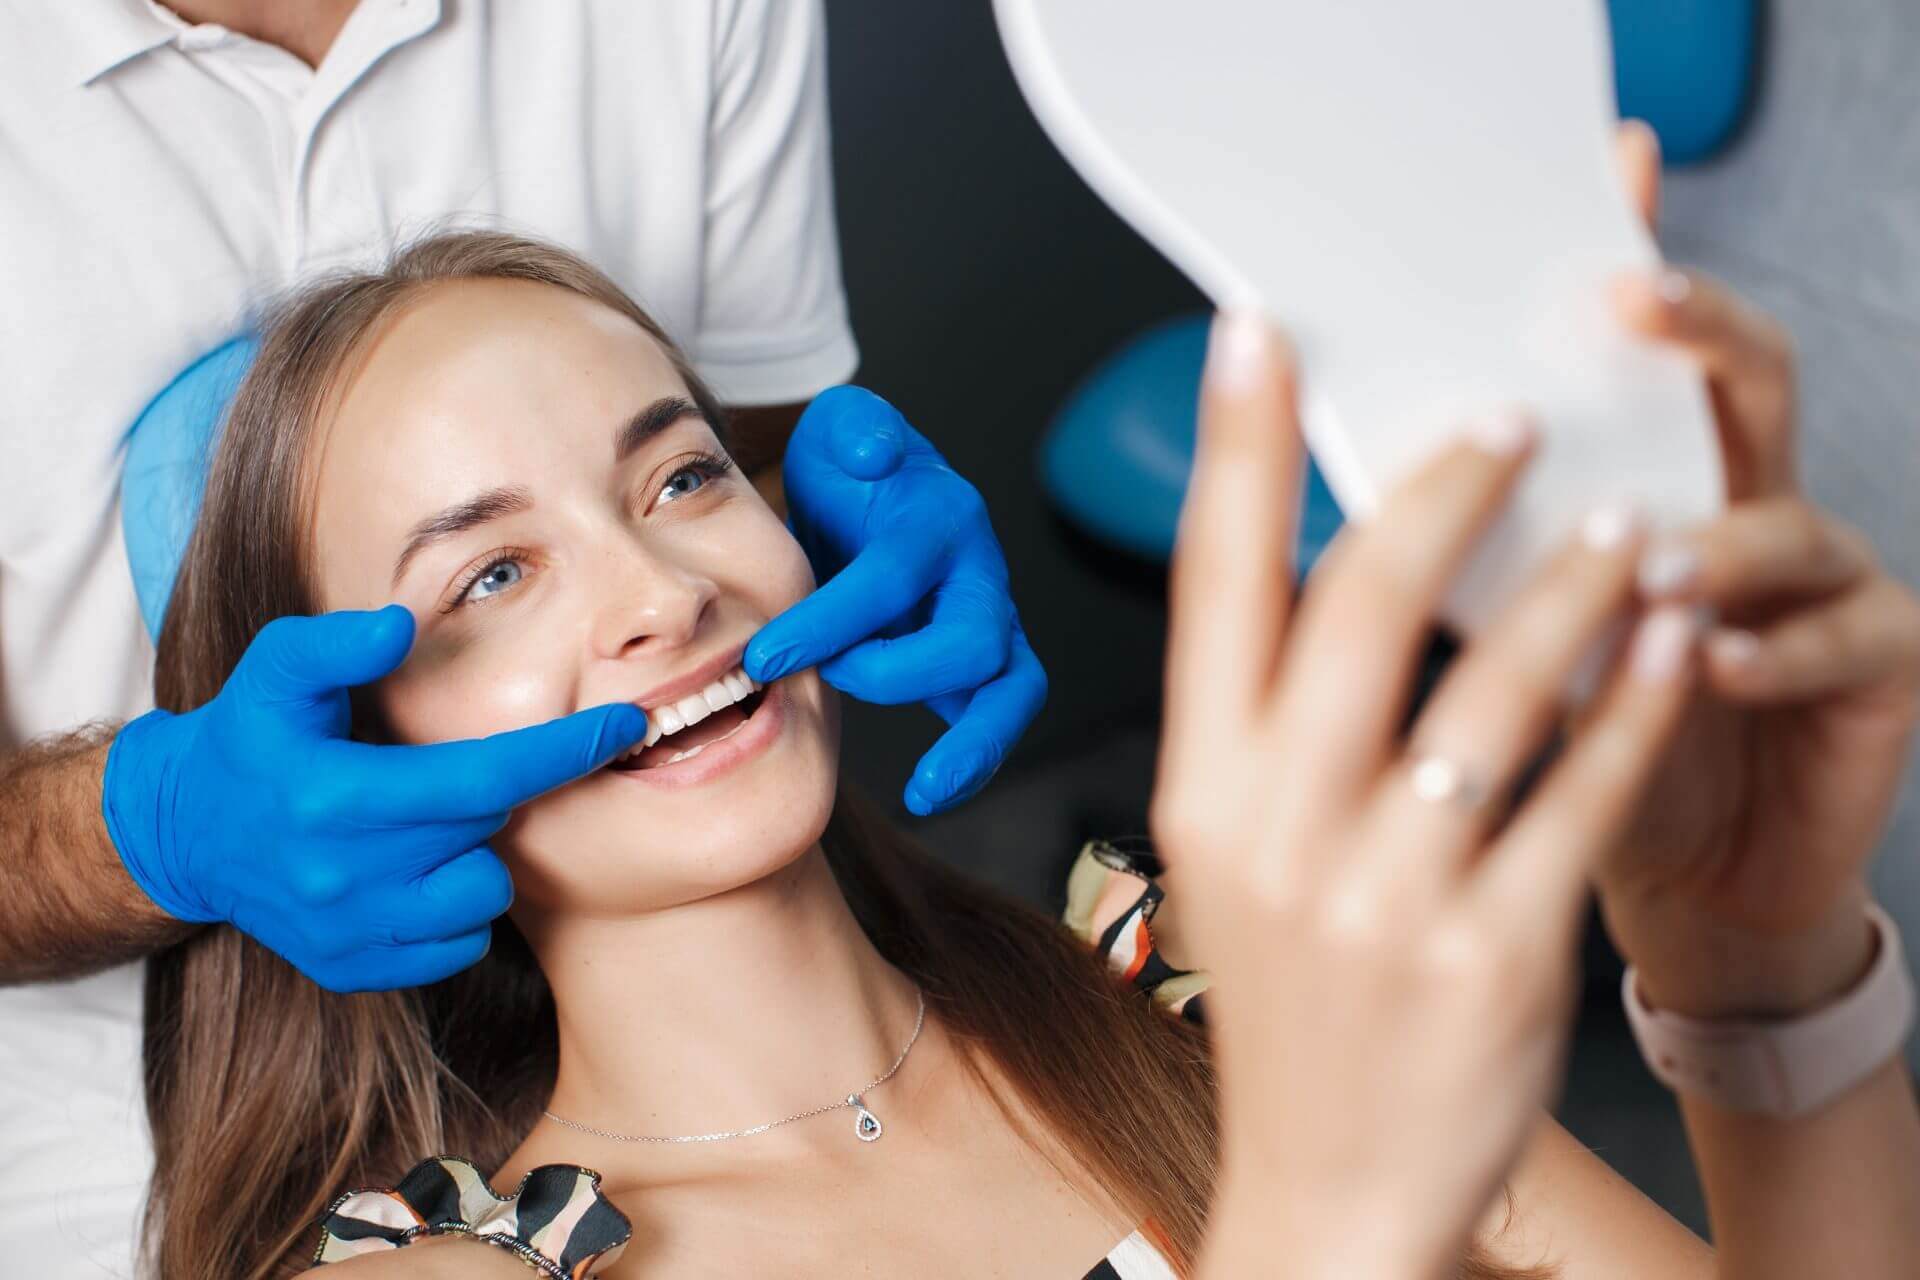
{"x":495,"y":503}
{"x":651,"y":421}
{"x":490,"y":505}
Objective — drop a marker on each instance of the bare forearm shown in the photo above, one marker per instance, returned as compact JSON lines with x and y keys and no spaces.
{"x":1830,"y":1193}
{"x":67,"y":905}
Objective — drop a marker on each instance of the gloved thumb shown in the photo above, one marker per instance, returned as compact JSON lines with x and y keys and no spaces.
{"x":296,"y":659}
{"x":866,"y":437}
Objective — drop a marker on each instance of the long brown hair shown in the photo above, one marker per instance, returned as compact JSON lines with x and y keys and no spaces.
{"x":269,"y":1095}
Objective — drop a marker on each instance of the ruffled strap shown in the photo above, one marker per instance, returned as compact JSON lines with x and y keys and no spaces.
{"x":558,"y":1223}
{"x":1111,"y":901}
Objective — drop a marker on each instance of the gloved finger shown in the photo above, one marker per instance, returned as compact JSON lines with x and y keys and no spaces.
{"x":865,"y":437}
{"x":414,"y":965}
{"x":296,"y":659}
{"x":891,"y":575}
{"x":967,"y":755}
{"x":965,"y":644}
{"x":450,"y":781}
{"x":456,"y":898}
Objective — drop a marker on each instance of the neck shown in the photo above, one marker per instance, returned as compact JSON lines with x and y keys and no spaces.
{"x":306,"y":30}
{"x":724,"y":1013}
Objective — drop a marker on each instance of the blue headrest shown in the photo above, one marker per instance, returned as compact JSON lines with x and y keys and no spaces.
{"x":1116,"y":456}
{"x":168,"y":450}
{"x":1686,"y":68}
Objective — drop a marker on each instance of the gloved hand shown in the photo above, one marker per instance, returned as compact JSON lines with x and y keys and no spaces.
{"x":365,"y":866}
{"x":913,"y":603}
{"x":918,"y":611}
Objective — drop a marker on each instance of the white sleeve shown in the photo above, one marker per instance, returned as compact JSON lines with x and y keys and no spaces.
{"x":773,"y":317}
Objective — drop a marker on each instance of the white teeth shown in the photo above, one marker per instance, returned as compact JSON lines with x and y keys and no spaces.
{"x":693,"y":709}
{"x":718,"y":697}
{"x":671,"y":717}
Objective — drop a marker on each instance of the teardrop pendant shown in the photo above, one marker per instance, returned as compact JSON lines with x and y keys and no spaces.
{"x":866,"y":1125}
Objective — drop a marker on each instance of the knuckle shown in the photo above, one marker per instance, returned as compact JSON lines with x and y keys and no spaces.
{"x":1351,"y":917}
{"x":317,"y":884}
{"x":1381,"y":566}
{"x":315,"y":803}
{"x":1611,"y":754}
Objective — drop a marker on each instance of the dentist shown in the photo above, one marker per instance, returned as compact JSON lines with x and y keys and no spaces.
{"x":162,"y":169}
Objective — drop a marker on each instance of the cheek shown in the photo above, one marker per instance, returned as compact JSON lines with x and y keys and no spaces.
{"x":782,"y":576}
{"x":442,"y":695}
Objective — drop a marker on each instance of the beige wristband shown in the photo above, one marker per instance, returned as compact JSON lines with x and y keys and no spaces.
{"x":1789,"y":1066}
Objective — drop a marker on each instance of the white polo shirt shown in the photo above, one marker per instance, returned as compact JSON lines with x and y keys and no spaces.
{"x":157,"y":180}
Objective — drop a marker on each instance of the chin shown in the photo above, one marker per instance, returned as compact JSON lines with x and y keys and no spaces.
{"x":615,"y":845}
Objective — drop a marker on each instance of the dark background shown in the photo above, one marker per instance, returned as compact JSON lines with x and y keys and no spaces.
{"x":985,"y":280}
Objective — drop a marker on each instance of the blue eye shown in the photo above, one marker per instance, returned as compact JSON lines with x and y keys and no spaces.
{"x":683,"y":482}
{"x":694,"y":475}
{"x":495,"y":578}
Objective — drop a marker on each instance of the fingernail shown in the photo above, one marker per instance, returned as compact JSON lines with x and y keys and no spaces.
{"x":1673,"y":287}
{"x":1667,"y":567}
{"x":765,"y":664}
{"x":1240,"y":352}
{"x":1734,"y":648}
{"x":1610,"y":525}
{"x":1661,"y":643}
{"x":1504,"y":434}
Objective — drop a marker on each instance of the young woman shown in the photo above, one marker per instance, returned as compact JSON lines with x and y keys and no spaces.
{"x":788,"y":1044}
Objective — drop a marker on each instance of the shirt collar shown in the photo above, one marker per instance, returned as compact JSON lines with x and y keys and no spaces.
{"x":95,"y":36}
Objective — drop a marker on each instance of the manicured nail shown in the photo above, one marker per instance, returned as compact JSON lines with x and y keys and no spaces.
{"x":1734,"y":648}
{"x":1661,"y":643}
{"x":1673,"y":287}
{"x":1667,"y":568}
{"x":1504,"y":434}
{"x":1610,"y":525}
{"x":1240,"y":352}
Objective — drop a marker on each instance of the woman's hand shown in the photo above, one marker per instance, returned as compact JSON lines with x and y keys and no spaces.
{"x":1393,"y":952}
{"x":1739,"y":887}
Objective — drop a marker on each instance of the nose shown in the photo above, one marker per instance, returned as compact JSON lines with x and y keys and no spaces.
{"x":647,"y":602}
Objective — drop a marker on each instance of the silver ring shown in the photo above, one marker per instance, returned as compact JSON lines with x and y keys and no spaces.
{"x":1440,"y":780}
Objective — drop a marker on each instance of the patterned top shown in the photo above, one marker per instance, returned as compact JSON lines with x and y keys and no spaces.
{"x":560,"y":1225}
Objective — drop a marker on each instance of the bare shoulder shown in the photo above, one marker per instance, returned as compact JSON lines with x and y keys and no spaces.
{"x":446,"y":1257}
{"x":1572,"y":1210}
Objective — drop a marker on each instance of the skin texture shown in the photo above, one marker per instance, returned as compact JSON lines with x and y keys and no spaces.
{"x":706,"y":970}
{"x":1728,"y":842}
{"x":622,"y":585}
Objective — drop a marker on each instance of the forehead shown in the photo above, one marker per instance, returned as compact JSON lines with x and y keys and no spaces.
{"x":473,"y":385}
{"x":511,"y":364}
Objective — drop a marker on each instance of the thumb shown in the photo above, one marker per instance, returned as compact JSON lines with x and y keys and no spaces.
{"x":296,"y":659}
{"x":864,"y":436}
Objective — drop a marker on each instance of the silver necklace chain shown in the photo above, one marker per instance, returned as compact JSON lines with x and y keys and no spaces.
{"x":866,"y":1125}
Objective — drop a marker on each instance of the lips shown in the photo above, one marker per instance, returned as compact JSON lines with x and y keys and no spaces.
{"x":689,"y":742}
{"x":722,"y":742}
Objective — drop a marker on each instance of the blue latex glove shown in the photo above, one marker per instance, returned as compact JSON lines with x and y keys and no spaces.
{"x":366,"y":867}
{"x":913,"y":605}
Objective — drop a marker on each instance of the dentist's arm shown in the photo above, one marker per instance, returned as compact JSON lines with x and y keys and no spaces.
{"x":366,"y":867}
{"x":67,"y":905}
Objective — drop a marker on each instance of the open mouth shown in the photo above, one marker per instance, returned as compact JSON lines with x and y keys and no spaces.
{"x":684,"y":728}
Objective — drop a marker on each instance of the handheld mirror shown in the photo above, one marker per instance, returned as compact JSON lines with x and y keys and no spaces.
{"x":1424,"y":197}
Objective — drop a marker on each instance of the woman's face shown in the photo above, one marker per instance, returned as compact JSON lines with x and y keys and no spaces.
{"x":524,"y":470}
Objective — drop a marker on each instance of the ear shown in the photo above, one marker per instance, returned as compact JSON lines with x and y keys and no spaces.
{"x":1636,"y":152}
